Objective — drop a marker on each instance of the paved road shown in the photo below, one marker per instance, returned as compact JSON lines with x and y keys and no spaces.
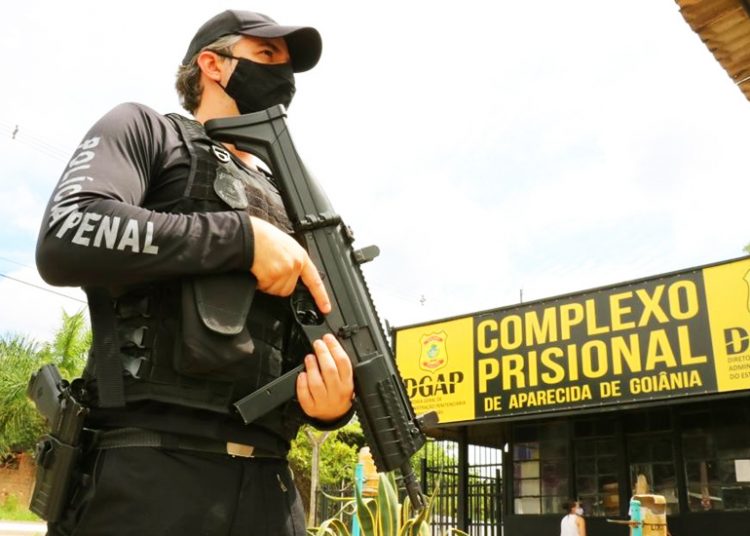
{"x":20,"y":528}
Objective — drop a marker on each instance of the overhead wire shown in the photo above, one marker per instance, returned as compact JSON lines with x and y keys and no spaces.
{"x":16,"y":129}
{"x":51,"y":155}
{"x":15,"y":262}
{"x":22,"y":135}
{"x":41,"y":288}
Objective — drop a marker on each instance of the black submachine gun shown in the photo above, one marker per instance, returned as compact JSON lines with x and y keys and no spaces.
{"x":390,"y":425}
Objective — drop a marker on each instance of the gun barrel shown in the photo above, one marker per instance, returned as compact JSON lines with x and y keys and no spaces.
{"x":413,"y":489}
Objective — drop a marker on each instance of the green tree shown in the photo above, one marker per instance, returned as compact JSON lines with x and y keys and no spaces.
{"x":337,"y":458}
{"x":20,"y":357}
{"x":70,"y":345}
{"x":439,"y":455}
{"x":747,"y":248}
{"x":20,"y":424}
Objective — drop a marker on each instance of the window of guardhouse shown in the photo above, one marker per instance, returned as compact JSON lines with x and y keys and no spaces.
{"x":540,"y":467}
{"x":716,"y":450}
{"x":650,"y":454}
{"x":595,"y":458}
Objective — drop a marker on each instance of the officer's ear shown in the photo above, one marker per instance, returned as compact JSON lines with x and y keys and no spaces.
{"x":212,"y":65}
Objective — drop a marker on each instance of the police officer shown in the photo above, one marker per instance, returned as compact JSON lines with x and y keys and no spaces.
{"x":182,"y":245}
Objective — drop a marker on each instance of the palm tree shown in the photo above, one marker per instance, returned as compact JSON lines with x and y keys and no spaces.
{"x":20,"y":357}
{"x":70,"y":345}
{"x":20,"y":424}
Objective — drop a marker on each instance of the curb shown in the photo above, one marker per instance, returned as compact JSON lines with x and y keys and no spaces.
{"x":22,"y":528}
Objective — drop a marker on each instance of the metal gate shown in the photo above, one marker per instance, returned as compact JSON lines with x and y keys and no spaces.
{"x":439,"y":462}
{"x":440,"y":475}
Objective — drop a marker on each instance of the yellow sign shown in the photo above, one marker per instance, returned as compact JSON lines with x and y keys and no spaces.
{"x":728,"y":297}
{"x":682,"y":334}
{"x":437,"y":368}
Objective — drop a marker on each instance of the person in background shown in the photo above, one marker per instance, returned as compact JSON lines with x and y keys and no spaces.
{"x":573,"y":523}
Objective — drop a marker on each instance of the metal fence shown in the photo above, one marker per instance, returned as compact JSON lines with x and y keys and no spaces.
{"x":484,"y":487}
{"x":438,"y":461}
{"x":328,"y":507}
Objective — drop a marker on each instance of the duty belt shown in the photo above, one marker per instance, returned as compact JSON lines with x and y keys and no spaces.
{"x":137,"y":437}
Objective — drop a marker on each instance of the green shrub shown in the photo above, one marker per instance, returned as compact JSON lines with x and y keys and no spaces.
{"x":11,"y":509}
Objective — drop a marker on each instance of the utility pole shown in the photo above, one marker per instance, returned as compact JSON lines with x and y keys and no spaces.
{"x":316,"y":440}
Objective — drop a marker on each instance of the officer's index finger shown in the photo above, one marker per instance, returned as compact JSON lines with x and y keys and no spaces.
{"x":311,"y":278}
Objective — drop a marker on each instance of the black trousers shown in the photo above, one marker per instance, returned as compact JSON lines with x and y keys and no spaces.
{"x":149,"y":491}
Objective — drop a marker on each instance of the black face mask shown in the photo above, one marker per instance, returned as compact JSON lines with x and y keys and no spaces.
{"x":257,"y":86}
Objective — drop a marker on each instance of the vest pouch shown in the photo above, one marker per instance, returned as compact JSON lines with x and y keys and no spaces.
{"x":216,"y":343}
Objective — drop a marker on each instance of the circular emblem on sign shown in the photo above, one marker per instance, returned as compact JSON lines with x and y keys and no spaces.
{"x":221,"y":154}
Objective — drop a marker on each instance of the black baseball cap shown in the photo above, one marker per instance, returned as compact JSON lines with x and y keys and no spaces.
{"x":304,"y":42}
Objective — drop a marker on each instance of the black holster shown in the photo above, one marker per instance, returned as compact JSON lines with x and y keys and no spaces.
{"x":57,"y":453}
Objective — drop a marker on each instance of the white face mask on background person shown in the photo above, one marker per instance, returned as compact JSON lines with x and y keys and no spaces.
{"x":579,"y":511}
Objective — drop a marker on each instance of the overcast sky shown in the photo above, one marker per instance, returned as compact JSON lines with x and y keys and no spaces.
{"x":485,"y":147}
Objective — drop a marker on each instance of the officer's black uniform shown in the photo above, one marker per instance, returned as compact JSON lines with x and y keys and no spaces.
{"x":152,"y":219}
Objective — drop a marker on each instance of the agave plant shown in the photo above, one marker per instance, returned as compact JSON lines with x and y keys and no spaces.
{"x":381,"y":515}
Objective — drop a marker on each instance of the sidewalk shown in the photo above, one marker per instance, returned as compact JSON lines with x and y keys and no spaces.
{"x":22,"y":528}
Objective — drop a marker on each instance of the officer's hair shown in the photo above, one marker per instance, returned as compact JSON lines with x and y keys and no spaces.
{"x":188,"y":82}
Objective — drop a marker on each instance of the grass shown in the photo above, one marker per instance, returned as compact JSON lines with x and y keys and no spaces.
{"x":12,"y":510}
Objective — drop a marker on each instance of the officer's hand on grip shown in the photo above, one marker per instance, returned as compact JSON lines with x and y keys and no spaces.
{"x":279,"y":261}
{"x":326,"y":387}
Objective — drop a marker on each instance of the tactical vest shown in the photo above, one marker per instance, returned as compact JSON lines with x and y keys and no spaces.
{"x":205,"y":341}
